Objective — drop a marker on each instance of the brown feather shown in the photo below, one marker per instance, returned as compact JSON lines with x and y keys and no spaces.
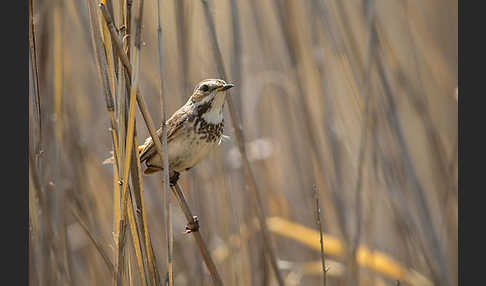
{"x":174,"y":123}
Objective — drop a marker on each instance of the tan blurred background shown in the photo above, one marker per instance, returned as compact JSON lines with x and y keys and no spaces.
{"x":356,"y":97}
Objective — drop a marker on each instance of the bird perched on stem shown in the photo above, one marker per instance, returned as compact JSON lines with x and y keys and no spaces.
{"x":192,"y":131}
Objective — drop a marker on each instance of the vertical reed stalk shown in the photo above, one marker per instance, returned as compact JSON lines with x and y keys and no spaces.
{"x":158,"y":145}
{"x":242,"y":150}
{"x":197,"y":236}
{"x":35,"y":76}
{"x":319,"y":225}
{"x":165,"y":158}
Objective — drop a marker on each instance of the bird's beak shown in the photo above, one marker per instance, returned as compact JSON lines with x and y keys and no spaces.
{"x":226,"y":87}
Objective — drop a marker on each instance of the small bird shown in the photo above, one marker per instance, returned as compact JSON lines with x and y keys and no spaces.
{"x":192,"y":131}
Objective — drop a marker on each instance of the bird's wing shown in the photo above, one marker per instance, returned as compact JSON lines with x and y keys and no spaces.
{"x":174,"y":123}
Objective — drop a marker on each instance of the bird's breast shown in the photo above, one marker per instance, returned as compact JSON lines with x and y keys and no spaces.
{"x":189,"y":148}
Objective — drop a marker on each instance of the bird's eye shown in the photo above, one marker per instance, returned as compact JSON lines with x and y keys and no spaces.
{"x":204,"y":87}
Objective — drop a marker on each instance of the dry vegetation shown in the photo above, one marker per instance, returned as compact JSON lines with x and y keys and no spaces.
{"x":346,"y":106}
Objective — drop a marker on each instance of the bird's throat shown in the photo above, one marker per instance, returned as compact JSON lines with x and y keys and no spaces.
{"x":212,"y":110}
{"x":213,"y":116}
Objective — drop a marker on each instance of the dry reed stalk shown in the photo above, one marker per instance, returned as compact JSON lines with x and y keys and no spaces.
{"x":236,"y":72}
{"x":183,"y":33}
{"x":241,"y":148}
{"x":58,"y":70}
{"x":101,"y":62}
{"x":111,"y":69}
{"x":447,"y":195}
{"x":102,"y":67}
{"x":115,"y":38}
{"x":109,"y":53}
{"x":96,"y":241}
{"x":36,"y":97}
{"x":136,"y":171}
{"x":142,"y":215}
{"x":197,"y":235}
{"x":148,"y":121}
{"x":36,"y":216}
{"x":376,"y":261}
{"x":372,"y":41}
{"x":439,"y":269}
{"x":125,"y":167}
{"x":165,"y":158}
{"x":137,"y":244}
{"x":116,"y":202}
{"x":237,"y":53}
{"x":141,"y":226}
{"x":59,"y":242}
{"x":291,"y":37}
{"x":118,"y":158}
{"x":120,"y":113}
{"x":319,"y":225}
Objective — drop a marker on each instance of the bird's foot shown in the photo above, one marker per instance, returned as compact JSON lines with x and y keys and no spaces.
{"x":174,"y":178}
{"x":193,"y":225}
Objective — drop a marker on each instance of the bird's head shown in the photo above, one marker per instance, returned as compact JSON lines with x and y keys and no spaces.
{"x":208,"y":96}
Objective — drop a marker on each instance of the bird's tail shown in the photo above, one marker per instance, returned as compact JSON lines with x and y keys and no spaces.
{"x":111,"y":159}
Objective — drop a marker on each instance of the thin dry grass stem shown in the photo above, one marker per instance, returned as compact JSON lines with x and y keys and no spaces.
{"x":291,"y":37}
{"x":165,"y":158}
{"x":95,"y":240}
{"x":59,"y":244}
{"x":118,"y":167}
{"x":372,"y":41}
{"x":100,"y":54}
{"x":58,"y":70}
{"x":148,"y":247}
{"x":319,"y":225}
{"x":120,"y":97}
{"x":37,"y":208}
{"x":123,"y":161}
{"x":33,"y":228}
{"x":115,"y":38}
{"x":197,"y":236}
{"x":136,"y":240}
{"x":128,"y":22}
{"x":239,"y":264}
{"x":121,"y":114}
{"x":35,"y":76}
{"x":376,"y":261}
{"x":130,"y":135}
{"x":129,"y":271}
{"x":202,"y":246}
{"x":109,"y":54}
{"x":420,"y":102}
{"x":116,"y":206}
{"x":152,"y":269}
{"x":111,"y":68}
{"x":236,"y":57}
{"x":241,"y":148}
{"x":183,"y":33}
{"x":439,"y":269}
{"x":102,"y":66}
{"x":444,"y":174}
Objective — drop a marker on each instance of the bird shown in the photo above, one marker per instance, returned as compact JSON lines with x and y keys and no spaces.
{"x":192,"y":131}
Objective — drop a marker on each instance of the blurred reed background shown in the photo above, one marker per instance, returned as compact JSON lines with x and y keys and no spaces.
{"x":354,"y":100}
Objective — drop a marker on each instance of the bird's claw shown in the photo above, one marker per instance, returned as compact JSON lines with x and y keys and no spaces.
{"x":193,"y":225}
{"x":174,"y":178}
